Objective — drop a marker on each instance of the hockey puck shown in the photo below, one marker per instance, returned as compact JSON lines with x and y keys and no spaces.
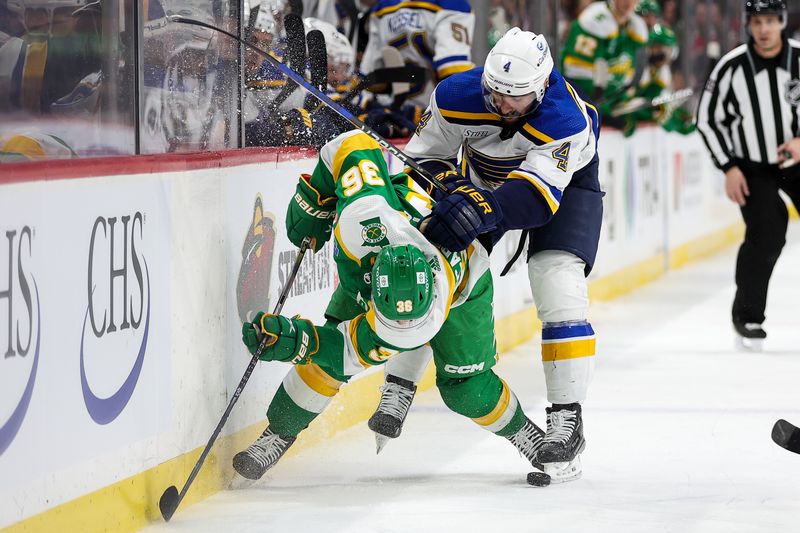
{"x":538,"y":479}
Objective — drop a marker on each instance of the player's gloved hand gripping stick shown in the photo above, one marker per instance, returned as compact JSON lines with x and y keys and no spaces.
{"x":172,"y":498}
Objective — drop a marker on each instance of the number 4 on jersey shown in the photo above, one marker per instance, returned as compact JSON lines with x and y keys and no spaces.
{"x":561,"y":154}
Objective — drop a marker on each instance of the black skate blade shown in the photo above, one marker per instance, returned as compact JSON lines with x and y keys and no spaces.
{"x":786,"y":435}
{"x":169,"y":502}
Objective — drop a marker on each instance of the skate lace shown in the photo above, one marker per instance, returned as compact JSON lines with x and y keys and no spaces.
{"x":527,"y":440}
{"x":560,"y":426}
{"x":267,"y":449}
{"x":395,"y":400}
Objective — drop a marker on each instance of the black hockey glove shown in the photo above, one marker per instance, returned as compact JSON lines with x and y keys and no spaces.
{"x":460,"y":217}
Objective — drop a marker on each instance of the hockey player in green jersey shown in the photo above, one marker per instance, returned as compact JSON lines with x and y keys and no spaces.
{"x":397,"y":292}
{"x":600,"y":52}
{"x":662,"y":49}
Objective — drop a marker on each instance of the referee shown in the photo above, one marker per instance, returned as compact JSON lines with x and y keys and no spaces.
{"x":749,"y":119}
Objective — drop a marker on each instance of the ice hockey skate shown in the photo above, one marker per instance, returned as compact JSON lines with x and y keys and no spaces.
{"x":387,"y":421}
{"x":563,"y":443}
{"x":749,"y":336}
{"x":262,"y":455}
{"x":527,"y":441}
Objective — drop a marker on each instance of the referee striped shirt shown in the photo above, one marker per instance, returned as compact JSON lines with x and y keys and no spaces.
{"x":749,"y":105}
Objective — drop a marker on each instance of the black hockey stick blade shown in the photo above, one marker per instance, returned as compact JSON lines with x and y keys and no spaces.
{"x":786,"y":435}
{"x":169,"y":502}
{"x":295,"y":41}
{"x":322,"y":97}
{"x":295,"y":56}
{"x":296,"y":7}
{"x":318,"y":59}
{"x":171,"y":498}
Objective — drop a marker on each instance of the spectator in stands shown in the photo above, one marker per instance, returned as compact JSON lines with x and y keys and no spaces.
{"x":436,"y":34}
{"x":55,"y":65}
{"x":650,"y":11}
{"x":662,"y":49}
{"x":599,"y":57}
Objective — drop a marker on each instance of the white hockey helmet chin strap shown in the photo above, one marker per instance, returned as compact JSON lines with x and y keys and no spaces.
{"x":518,"y":66}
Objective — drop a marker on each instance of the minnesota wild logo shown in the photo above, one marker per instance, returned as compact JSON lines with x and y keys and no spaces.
{"x":373,"y":232}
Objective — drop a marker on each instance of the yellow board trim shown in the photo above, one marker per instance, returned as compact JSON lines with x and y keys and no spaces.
{"x":560,"y":351}
{"x":359,"y":141}
{"x":132,"y":503}
{"x":317,"y":380}
{"x":495,"y":414}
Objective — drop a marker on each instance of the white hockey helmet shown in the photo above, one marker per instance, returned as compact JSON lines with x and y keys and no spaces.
{"x":340,"y":51}
{"x":518,"y":65}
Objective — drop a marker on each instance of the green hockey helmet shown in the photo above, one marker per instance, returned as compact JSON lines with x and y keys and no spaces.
{"x":402,"y":283}
{"x":660,"y":35}
{"x":648,"y":7}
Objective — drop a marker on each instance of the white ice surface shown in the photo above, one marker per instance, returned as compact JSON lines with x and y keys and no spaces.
{"x":677,"y":427}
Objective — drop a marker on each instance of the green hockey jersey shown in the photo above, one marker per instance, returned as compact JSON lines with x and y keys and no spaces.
{"x":599,"y":54}
{"x":375,"y":209}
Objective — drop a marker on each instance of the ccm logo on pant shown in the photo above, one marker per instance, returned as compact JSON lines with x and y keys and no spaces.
{"x":466,"y":369}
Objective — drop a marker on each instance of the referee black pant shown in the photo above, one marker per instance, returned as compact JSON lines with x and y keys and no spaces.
{"x":766,"y":218}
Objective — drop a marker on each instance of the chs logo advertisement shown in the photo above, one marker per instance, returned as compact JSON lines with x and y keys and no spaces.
{"x":20,"y":330}
{"x":117,"y":320}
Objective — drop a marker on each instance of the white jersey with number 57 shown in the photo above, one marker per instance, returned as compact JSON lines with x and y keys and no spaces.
{"x":435,"y":34}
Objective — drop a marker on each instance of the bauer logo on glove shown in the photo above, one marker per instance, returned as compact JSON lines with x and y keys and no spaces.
{"x":311,"y":210}
{"x":473,"y":193}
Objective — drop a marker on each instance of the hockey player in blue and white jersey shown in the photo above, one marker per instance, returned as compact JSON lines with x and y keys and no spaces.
{"x":525,"y":137}
{"x":436,"y":34}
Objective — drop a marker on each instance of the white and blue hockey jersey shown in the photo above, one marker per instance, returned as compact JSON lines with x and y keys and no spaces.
{"x":435,"y":34}
{"x":527,"y":164}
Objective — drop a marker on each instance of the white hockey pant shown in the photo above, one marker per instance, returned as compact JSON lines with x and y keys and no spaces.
{"x":561,"y":296}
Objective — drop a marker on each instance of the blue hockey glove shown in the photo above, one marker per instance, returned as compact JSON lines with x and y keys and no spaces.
{"x":459,"y":218}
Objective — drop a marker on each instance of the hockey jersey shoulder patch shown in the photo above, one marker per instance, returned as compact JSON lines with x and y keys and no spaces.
{"x":460,"y":99}
{"x":598,"y":20}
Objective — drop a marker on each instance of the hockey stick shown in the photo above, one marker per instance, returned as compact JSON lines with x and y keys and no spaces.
{"x":296,"y":53}
{"x":638,"y":104}
{"x":324,"y":98}
{"x":786,"y":435}
{"x":318,"y":59}
{"x":172,"y":498}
